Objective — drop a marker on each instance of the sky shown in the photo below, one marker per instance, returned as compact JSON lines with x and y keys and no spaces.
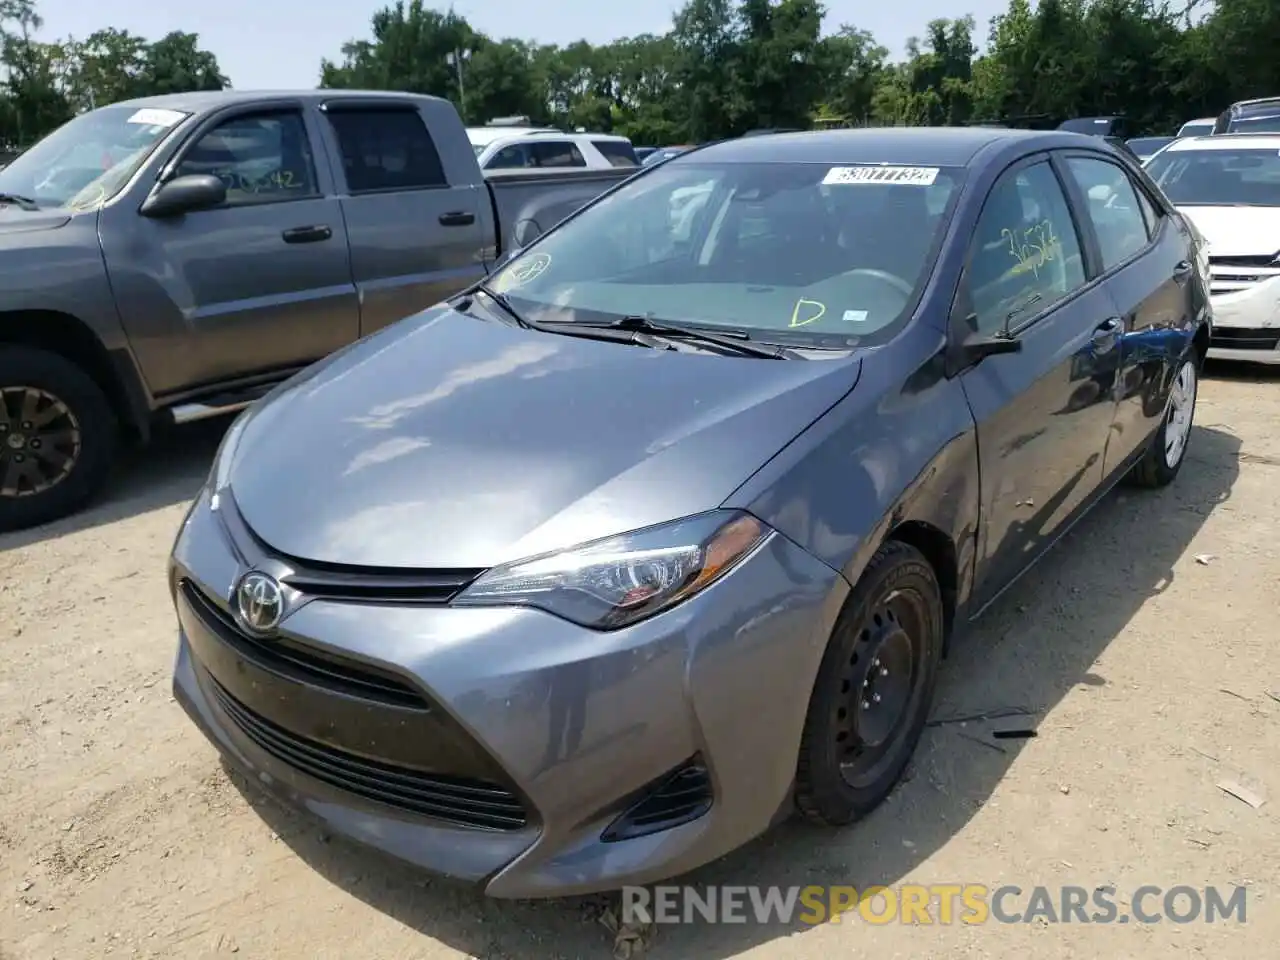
{"x":278,"y":44}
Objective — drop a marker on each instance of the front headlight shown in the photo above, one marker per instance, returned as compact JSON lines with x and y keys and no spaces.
{"x":619,"y":581}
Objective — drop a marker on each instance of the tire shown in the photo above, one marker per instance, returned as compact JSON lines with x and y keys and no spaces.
{"x":72,"y":450}
{"x":1168,"y":450}
{"x":892,"y":626}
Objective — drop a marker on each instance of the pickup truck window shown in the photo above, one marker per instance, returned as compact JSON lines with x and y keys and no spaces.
{"x":513,"y":157}
{"x":384,"y":150}
{"x":262,"y":158}
{"x":87,"y":160}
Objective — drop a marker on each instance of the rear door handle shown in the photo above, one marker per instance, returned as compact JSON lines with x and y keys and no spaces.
{"x":458,"y":218}
{"x":311,"y":234}
{"x":1182,"y":272}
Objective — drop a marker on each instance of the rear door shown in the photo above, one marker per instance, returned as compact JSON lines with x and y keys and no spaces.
{"x":1042,"y":414}
{"x":1144,"y":259}
{"x":416,"y":238}
{"x":258,"y":286}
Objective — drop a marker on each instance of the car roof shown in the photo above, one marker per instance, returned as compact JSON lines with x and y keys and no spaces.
{"x":1259,"y":102}
{"x":1227,"y":141}
{"x":519,"y":137}
{"x":200,"y":100}
{"x":933,"y":146}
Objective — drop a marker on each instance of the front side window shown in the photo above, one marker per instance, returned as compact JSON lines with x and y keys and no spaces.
{"x":514,"y":157}
{"x":1219,"y":176}
{"x":1113,"y":208}
{"x":88,"y":160}
{"x":785,"y":251}
{"x":1026,"y":254}
{"x":386,"y":150}
{"x":262,"y":158}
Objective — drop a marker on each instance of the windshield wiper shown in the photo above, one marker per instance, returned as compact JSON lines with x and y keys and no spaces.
{"x":737,"y":341}
{"x":501,"y":300}
{"x":26,"y":203}
{"x":588,"y":331}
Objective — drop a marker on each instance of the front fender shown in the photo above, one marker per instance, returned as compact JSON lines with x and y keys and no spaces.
{"x":898,"y":449}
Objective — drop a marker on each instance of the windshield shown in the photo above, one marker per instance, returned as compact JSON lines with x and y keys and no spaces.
{"x":478,"y":148}
{"x":1240,"y":176}
{"x":1262,"y":123}
{"x":87,"y":160}
{"x":1198,"y":128}
{"x":789,"y":252}
{"x":1148,"y":145}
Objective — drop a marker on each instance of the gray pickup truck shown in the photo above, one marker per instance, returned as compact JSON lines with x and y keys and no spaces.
{"x":179,"y":256}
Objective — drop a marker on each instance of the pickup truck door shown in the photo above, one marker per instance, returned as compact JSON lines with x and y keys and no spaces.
{"x":253,"y":289}
{"x":419,"y":217}
{"x":1043,"y":414}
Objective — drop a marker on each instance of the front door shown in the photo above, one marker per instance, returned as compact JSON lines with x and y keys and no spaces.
{"x":1042,"y":414}
{"x":1144,"y":256}
{"x":259,"y":285}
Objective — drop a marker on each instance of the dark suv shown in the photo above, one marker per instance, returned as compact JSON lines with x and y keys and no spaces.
{"x":1250,"y":116}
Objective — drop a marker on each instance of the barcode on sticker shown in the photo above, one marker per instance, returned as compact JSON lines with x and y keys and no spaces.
{"x":154,"y":117}
{"x":912,"y":176}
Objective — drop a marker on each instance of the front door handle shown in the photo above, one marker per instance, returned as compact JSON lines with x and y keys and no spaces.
{"x":458,"y":218}
{"x":1182,"y":272}
{"x":311,"y":234}
{"x":1107,"y":333}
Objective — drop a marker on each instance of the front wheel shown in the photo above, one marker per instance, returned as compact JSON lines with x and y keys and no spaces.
{"x":873,"y":690}
{"x":57,"y":437}
{"x":1164,"y":458}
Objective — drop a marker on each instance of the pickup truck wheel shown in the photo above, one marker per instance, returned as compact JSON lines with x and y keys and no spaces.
{"x":874,"y":688}
{"x":1168,"y":449}
{"x":57,"y":437}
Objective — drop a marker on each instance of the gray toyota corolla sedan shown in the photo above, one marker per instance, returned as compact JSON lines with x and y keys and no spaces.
{"x":591,"y":574}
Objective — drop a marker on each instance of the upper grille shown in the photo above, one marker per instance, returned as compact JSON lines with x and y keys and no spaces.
{"x":340,"y":581}
{"x":680,"y":797}
{"x":283,"y":655}
{"x":1232,"y":274}
{"x":462,"y":801}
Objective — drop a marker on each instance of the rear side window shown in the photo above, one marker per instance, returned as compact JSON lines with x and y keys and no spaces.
{"x":1026,"y":254}
{"x":386,"y":150}
{"x":556,"y":153}
{"x":619,"y":153}
{"x":1113,"y":208}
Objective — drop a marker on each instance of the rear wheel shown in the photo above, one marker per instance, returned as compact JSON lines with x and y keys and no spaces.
{"x":1164,"y":458}
{"x":873,"y":690}
{"x":57,"y":437}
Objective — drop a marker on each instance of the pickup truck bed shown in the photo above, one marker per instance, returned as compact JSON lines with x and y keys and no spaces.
{"x":180,"y":255}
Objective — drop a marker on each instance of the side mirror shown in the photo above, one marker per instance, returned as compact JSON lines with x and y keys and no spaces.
{"x":197,"y":191}
{"x":968,"y":353}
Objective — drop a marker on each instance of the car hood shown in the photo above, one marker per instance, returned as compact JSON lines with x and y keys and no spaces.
{"x":1237,"y":231}
{"x":13,"y":219}
{"x":448,"y":441}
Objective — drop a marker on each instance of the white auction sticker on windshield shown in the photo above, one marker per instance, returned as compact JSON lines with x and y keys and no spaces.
{"x":911,"y":176}
{"x":154,"y":117}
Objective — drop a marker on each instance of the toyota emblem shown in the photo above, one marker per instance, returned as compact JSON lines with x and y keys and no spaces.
{"x":260,"y":602}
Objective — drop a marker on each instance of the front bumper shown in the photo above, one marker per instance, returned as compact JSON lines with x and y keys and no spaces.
{"x":1246,"y":314}
{"x":499,"y":745}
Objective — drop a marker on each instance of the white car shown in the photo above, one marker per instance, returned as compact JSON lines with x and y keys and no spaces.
{"x":1228,"y":187}
{"x":542,"y":149}
{"x":1198,"y":128}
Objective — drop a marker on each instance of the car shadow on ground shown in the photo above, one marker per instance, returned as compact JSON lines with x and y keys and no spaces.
{"x":1000,"y":665}
{"x":169,"y":470}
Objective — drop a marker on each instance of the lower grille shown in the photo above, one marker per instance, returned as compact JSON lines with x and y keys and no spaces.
{"x":680,"y":797}
{"x":1245,"y":338}
{"x":464,"y":802}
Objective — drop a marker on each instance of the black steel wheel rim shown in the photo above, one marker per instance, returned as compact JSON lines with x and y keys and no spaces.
{"x":881,"y":686}
{"x":39,"y":441}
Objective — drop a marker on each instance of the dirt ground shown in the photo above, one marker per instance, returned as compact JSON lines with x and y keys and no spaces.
{"x":1147,"y":642}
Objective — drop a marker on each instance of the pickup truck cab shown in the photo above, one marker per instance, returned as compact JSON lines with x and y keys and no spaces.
{"x":179,"y":256}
